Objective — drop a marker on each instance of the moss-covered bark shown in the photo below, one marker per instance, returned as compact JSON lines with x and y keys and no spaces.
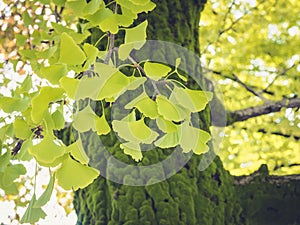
{"x":189,"y":197}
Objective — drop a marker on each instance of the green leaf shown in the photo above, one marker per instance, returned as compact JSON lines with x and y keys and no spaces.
{"x":135,"y":8}
{"x":77,"y":37}
{"x":193,"y":139}
{"x":101,"y":15}
{"x":140,"y":2}
{"x":21,"y":129}
{"x":194,"y":100}
{"x":59,"y":2}
{"x":11,"y":173}
{"x":91,"y":52}
{"x":74,"y":175}
{"x":53,"y":73}
{"x":4,"y":161}
{"x":145,"y":105}
{"x":110,"y":24}
{"x":47,"y":151}
{"x":156,"y":70}
{"x":168,"y":140}
{"x":77,"y":151}
{"x":135,"y":131}
{"x":102,"y":126}
{"x":134,"y":39}
{"x":45,"y":197}
{"x":84,"y":120}
{"x":9,"y":105}
{"x":166,"y":126}
{"x":169,"y":110}
{"x":70,"y":52}
{"x":58,"y":119}
{"x":33,"y":214}
{"x":23,"y":154}
{"x":92,"y":7}
{"x":40,"y":103}
{"x":77,"y":6}
{"x":132,"y":149}
{"x":70,"y":85}
{"x":25,"y":86}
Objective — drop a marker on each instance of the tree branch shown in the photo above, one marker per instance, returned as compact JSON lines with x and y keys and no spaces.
{"x":251,"y":112}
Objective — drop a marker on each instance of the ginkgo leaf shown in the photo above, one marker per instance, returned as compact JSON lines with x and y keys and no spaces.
{"x":9,"y":105}
{"x":169,"y":110}
{"x":140,"y":2}
{"x":194,"y":100}
{"x":193,"y":139}
{"x":21,"y":129}
{"x":4,"y":161}
{"x":91,"y":52}
{"x":166,"y":126}
{"x":45,"y":197}
{"x":168,"y":140}
{"x":132,"y":149}
{"x":84,"y":120}
{"x":74,"y":175}
{"x":58,"y":120}
{"x":11,"y":173}
{"x":135,"y":131}
{"x":53,"y":73}
{"x":134,"y":39}
{"x":136,"y":8}
{"x":145,"y":105}
{"x":77,"y":151}
{"x":110,"y":24}
{"x":70,"y":52}
{"x":40,"y":103}
{"x":99,"y":16}
{"x":33,"y":214}
{"x":92,"y":7}
{"x":70,"y":85}
{"x":47,"y":151}
{"x":23,"y":154}
{"x":156,"y":71}
{"x":102,"y":126}
{"x":113,"y":86}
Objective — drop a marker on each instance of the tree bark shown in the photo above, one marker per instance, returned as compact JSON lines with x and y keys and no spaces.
{"x":190,"y":196}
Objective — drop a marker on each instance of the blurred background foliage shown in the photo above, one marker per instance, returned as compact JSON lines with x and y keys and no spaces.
{"x":252,"y":48}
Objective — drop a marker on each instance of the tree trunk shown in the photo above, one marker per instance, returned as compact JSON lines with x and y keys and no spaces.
{"x":190,"y":196}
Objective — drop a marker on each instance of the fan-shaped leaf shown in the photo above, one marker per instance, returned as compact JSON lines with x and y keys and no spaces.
{"x":135,"y":131}
{"x":156,"y":71}
{"x":132,"y":149}
{"x":74,"y":175}
{"x":70,"y":52}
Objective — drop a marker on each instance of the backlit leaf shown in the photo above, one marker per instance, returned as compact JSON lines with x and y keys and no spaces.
{"x":45,"y":197}
{"x":169,"y":110}
{"x":194,"y":100}
{"x":84,"y":120}
{"x":77,"y":151}
{"x":145,"y":105}
{"x":21,"y":129}
{"x":40,"y":103}
{"x":74,"y":175}
{"x":193,"y":139}
{"x":47,"y":151}
{"x":4,"y":161}
{"x":9,"y":105}
{"x":53,"y":73}
{"x":70,"y":52}
{"x":135,"y":131}
{"x":132,"y":149}
{"x":102,"y":126}
{"x":156,"y":71}
{"x":33,"y":214}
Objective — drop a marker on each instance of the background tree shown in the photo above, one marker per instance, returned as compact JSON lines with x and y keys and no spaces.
{"x":191,"y":196}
